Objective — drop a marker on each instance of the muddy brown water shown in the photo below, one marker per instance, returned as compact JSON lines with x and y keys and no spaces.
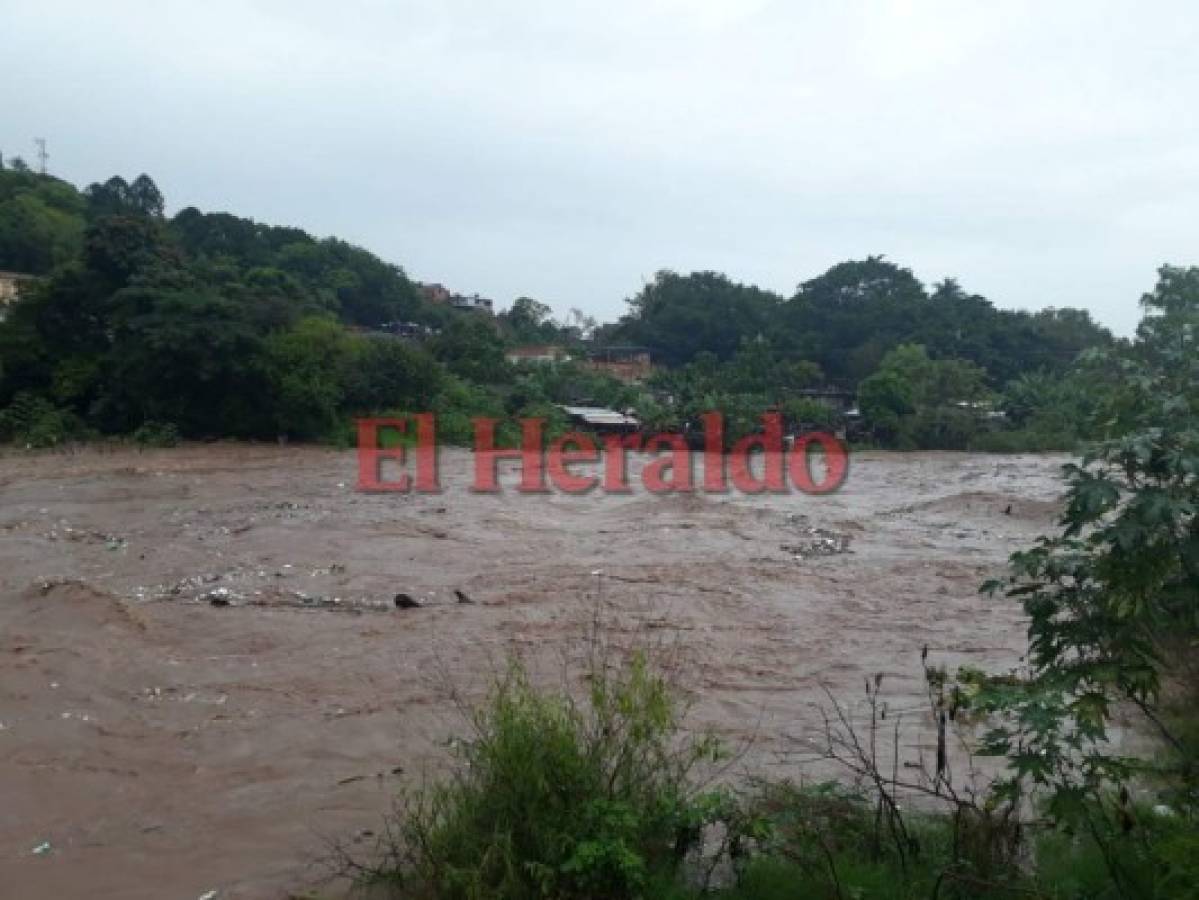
{"x":165,"y":747}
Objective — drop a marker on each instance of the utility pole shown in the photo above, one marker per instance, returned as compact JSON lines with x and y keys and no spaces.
{"x":42,"y":155}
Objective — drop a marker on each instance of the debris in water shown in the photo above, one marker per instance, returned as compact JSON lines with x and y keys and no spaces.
{"x":819,"y":542}
{"x":403,"y":601}
{"x":219,"y":597}
{"x":814,"y":541}
{"x":42,"y":849}
{"x":462,"y":598}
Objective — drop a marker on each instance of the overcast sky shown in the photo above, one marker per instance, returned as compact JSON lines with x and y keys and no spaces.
{"x":1042,"y":153}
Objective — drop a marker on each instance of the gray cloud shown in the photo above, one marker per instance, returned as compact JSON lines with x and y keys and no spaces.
{"x":1044,"y":154}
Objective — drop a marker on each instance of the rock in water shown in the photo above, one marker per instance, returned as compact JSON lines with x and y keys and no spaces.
{"x":403,"y":601}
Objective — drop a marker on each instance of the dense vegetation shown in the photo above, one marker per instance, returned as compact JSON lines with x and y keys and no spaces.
{"x":202,"y":324}
{"x":846,"y":320}
{"x":209,"y":325}
{"x":1113,"y":604}
{"x":607,"y":796}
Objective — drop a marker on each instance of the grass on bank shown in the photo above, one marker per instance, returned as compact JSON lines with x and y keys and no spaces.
{"x":607,"y":797}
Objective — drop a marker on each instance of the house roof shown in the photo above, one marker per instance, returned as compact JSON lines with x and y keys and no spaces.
{"x":536,"y":350}
{"x":598,"y":415}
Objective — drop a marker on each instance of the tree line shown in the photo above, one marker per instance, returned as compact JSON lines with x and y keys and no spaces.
{"x":212,"y":325}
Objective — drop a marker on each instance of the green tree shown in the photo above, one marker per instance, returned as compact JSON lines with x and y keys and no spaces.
{"x":1061,"y":405}
{"x":191,"y":359}
{"x":471,"y":348}
{"x":850,"y":317}
{"x":307,"y":367}
{"x":885,"y":398}
{"x":117,"y":248}
{"x":367,"y":290}
{"x":41,"y":222}
{"x":847,"y":318}
{"x":528,"y":322}
{"x":385,"y":373}
{"x":1113,"y":598}
{"x":116,"y":197}
{"x":924,"y":402}
{"x":145,"y":197}
{"x":679,"y":316}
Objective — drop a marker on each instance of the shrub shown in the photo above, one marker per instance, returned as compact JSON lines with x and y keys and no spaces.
{"x":385,"y":372}
{"x":156,"y":434}
{"x":825,"y":840}
{"x":1149,"y":856}
{"x":458,"y":402}
{"x":809,"y":412}
{"x":559,"y":798}
{"x":35,"y":422}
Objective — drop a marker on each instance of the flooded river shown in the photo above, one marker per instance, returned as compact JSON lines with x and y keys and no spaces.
{"x":204,"y":677}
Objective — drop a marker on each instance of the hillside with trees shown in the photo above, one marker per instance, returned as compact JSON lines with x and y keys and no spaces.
{"x":604,"y":792}
{"x":849,"y":318}
{"x":206,"y":325}
{"x":210,"y":325}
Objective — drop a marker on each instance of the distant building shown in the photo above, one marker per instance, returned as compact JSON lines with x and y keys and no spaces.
{"x":435,"y":293}
{"x":625,"y":363}
{"x":473,"y":302}
{"x":599,"y":419}
{"x":410,"y":330}
{"x":10,"y":288}
{"x":538,"y":353}
{"x":439,"y":293}
{"x":838,"y":399}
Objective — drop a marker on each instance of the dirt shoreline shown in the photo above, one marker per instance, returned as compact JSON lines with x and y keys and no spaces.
{"x":165,"y":747}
